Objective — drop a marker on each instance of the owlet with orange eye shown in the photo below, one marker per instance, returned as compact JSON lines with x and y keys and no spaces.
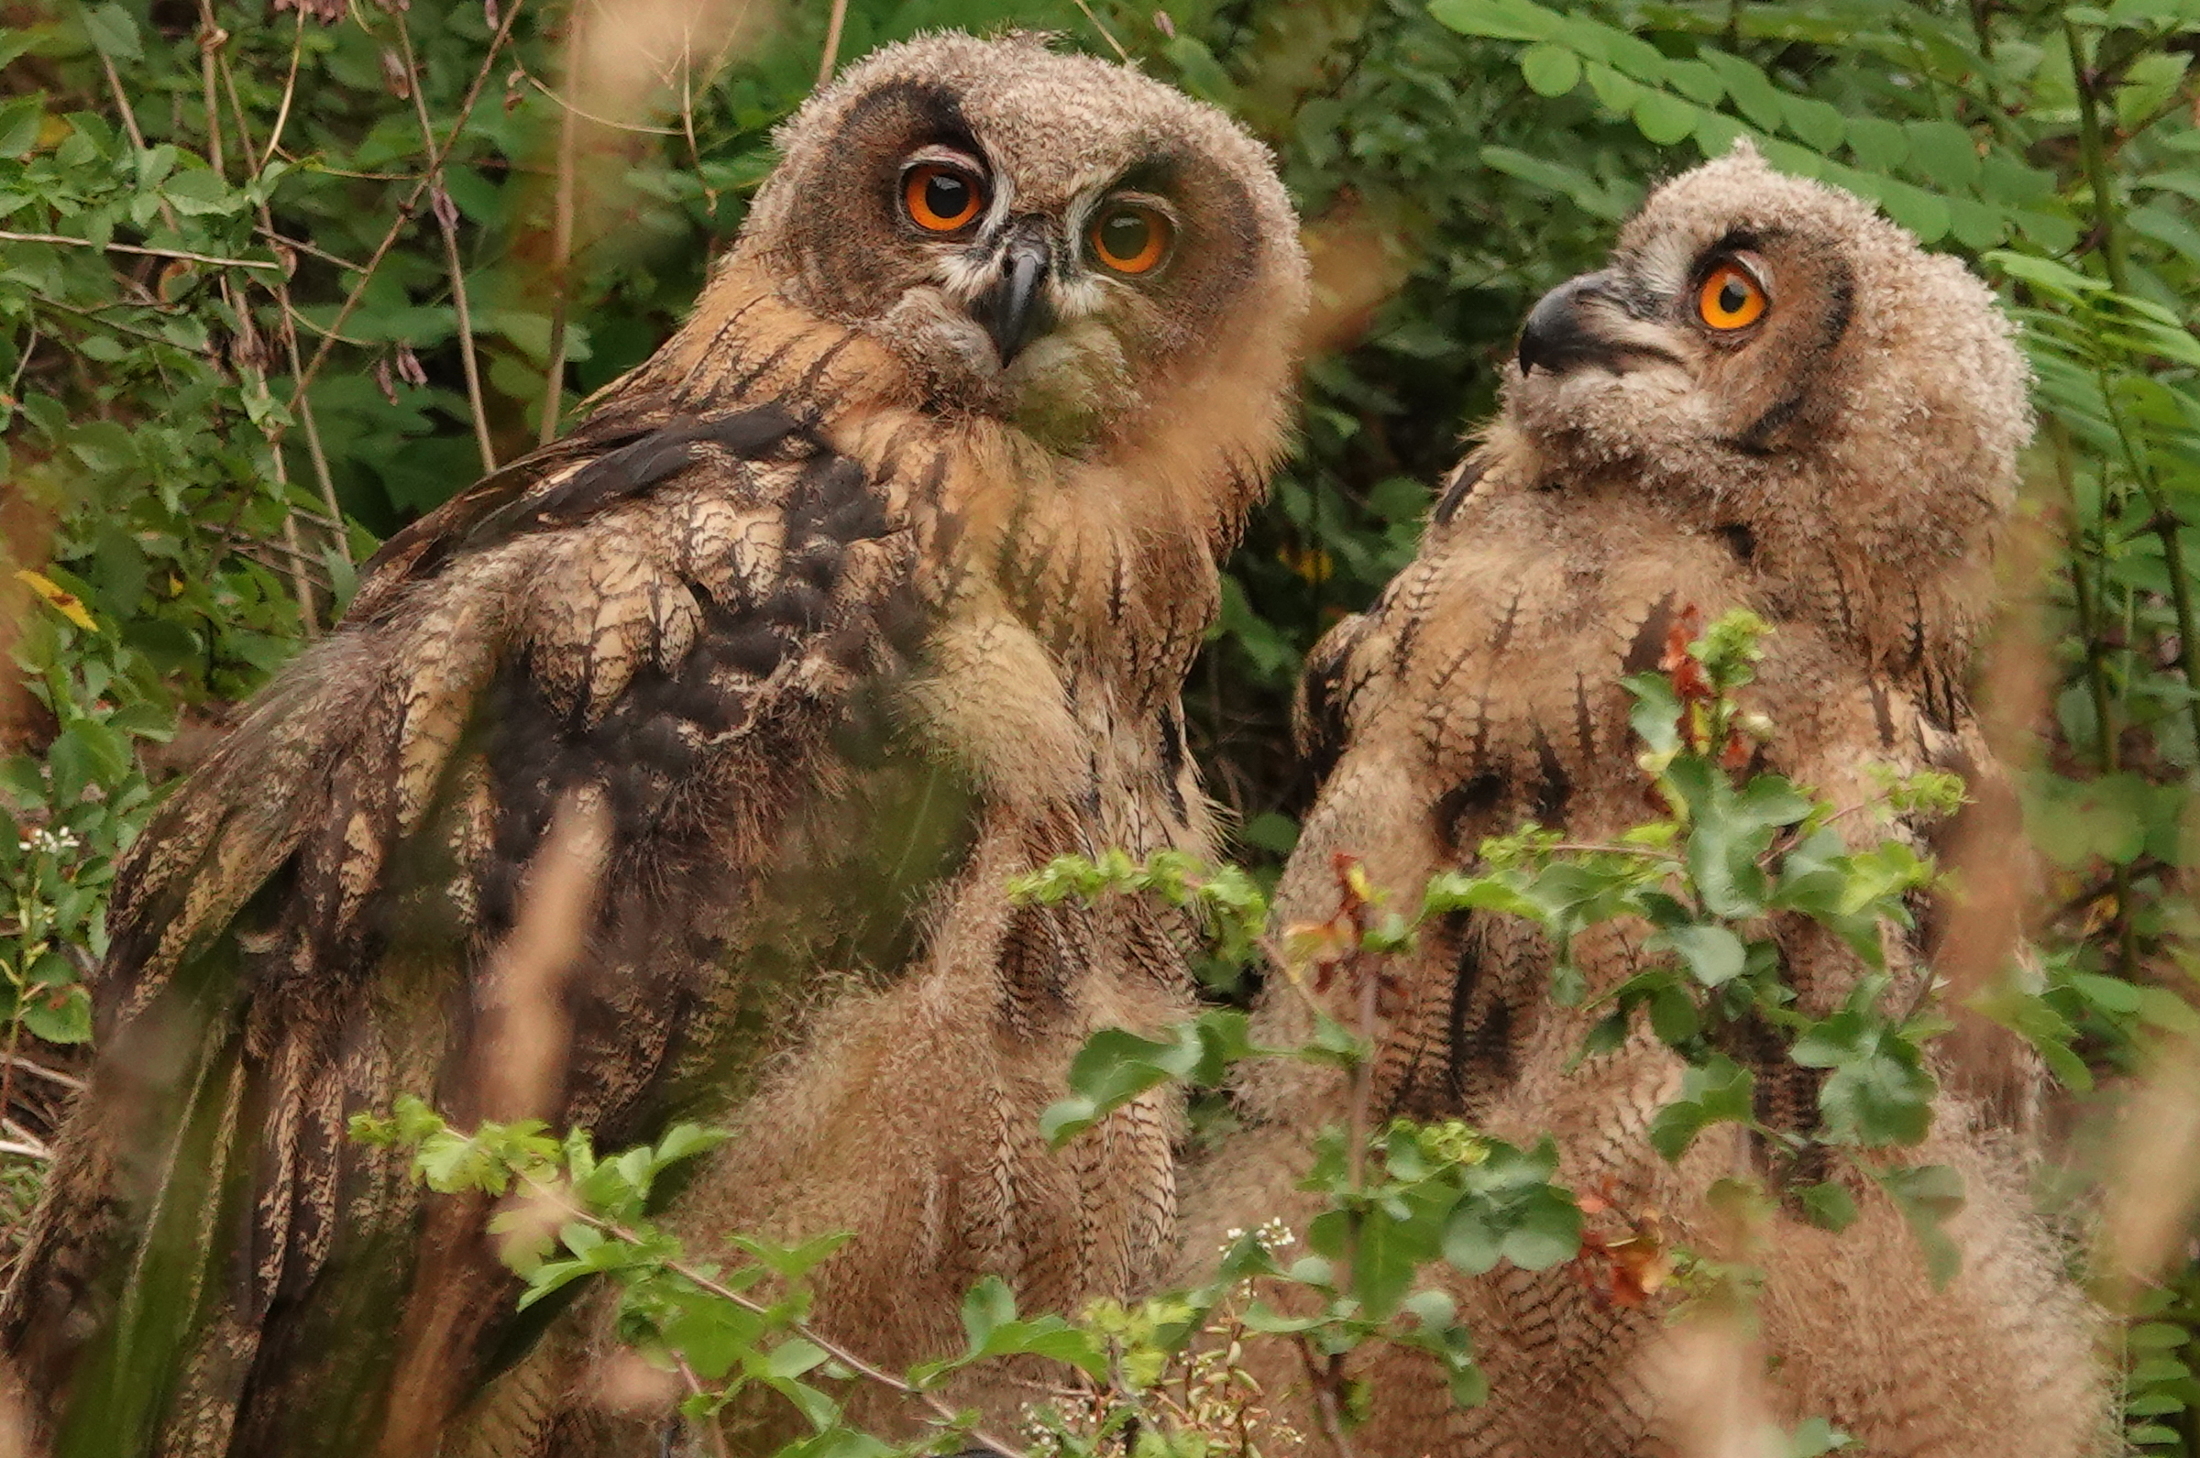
{"x":1770,"y":398}
{"x":873,"y":588}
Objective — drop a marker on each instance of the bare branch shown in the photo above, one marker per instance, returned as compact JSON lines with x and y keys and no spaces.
{"x":182,"y":253}
{"x":831,"y":57}
{"x":446,"y":219}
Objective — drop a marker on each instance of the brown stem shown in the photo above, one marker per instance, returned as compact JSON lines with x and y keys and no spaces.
{"x":446,"y":221}
{"x":561,"y":283}
{"x":7,"y":1074}
{"x":290,"y":90}
{"x":1322,"y":1378}
{"x":831,"y":57}
{"x":185,"y":254}
{"x":713,"y":1434}
{"x":1105,"y":34}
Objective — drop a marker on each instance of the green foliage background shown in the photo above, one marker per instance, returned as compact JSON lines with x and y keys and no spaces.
{"x":204,"y":205}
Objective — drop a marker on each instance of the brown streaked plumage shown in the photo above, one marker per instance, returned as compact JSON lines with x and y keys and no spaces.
{"x":875,"y":585}
{"x":1842,"y":465}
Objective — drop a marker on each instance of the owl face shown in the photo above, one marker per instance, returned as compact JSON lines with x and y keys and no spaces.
{"x":1754,"y":328}
{"x":1045,"y":238}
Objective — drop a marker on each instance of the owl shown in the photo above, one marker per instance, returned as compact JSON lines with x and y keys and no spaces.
{"x":707,"y":734}
{"x":1770,"y":398}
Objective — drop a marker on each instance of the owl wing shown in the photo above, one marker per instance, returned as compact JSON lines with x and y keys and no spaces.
{"x":630,"y":651}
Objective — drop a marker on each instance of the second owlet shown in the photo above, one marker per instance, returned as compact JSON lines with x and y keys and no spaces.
{"x":874,"y":587}
{"x":1769,"y":398}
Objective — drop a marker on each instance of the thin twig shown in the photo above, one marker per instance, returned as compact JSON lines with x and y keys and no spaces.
{"x":1105,"y":34}
{"x":711,"y":1432}
{"x":51,"y":1075}
{"x":1325,"y":1400}
{"x":290,"y":89}
{"x":7,"y":1072}
{"x":831,"y":57}
{"x":211,"y":37}
{"x":561,"y":267}
{"x":446,"y":221}
{"x":22,"y":363}
{"x":312,"y":250}
{"x":9,"y":1146}
{"x":183,"y":253}
{"x":573,"y":109}
{"x":39,"y":301}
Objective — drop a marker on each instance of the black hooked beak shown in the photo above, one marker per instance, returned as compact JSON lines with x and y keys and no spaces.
{"x":1014,"y":308}
{"x":1559,"y":335}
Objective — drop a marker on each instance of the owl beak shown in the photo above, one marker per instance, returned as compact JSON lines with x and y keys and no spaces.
{"x":1014,"y":309}
{"x":1560,"y":334}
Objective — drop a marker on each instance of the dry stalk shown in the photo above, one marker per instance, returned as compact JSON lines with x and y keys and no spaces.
{"x":446,"y":218}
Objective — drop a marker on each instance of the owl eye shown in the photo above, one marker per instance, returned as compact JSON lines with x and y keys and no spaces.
{"x":941,"y":198}
{"x":1130,"y":238}
{"x":1731,"y":298}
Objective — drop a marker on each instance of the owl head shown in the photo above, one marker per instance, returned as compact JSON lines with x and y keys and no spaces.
{"x":1043,"y":237}
{"x":1777,"y":357}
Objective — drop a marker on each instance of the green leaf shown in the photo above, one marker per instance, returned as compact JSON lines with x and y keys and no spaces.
{"x":59,"y":1014}
{"x":20,"y":122}
{"x":1753,"y":95}
{"x":1712,"y":954}
{"x":1516,"y":20}
{"x":1877,"y":144}
{"x":1716,"y":1091}
{"x":1116,"y":1066}
{"x":988,"y":1304}
{"x":1673,"y":1016}
{"x":1945,"y":153}
{"x":1928,"y":1195}
{"x":1664,"y":119}
{"x":1550,"y":70}
{"x":113,"y":30}
{"x":1828,"y":1205}
{"x":1818,"y":123}
{"x":1548,"y":1231}
{"x":1879,"y":1091}
{"x":1919,"y":211}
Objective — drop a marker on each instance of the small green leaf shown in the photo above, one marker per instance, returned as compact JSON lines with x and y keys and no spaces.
{"x":113,"y":30}
{"x":1927,"y":1196}
{"x":1664,"y":119}
{"x":1712,"y":954}
{"x":1549,"y":1231}
{"x":1550,"y":70}
{"x":988,"y":1304}
{"x":1829,"y":1205}
{"x":59,"y":1014}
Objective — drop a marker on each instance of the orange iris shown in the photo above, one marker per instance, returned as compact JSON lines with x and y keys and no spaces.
{"x":941,"y":198}
{"x":1731,"y":298}
{"x":1129,"y":238}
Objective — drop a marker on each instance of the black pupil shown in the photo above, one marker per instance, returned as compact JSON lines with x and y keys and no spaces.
{"x":1734,"y":297}
{"x":1126,"y":235}
{"x":946,"y":195}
